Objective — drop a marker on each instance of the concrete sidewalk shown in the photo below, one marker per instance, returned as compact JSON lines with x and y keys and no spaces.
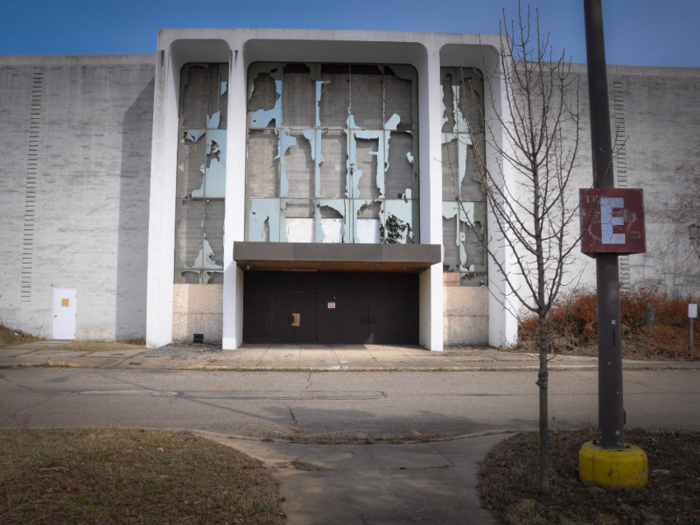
{"x":430,"y":483}
{"x":301,"y":358}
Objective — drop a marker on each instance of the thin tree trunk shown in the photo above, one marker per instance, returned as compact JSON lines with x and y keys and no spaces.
{"x":542,"y":382}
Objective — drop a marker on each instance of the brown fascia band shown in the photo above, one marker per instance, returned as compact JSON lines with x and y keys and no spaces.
{"x":333,"y":257}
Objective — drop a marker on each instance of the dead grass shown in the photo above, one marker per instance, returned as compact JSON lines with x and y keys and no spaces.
{"x":123,"y":476}
{"x":574,"y":323}
{"x":10,"y":337}
{"x":509,"y":481}
{"x":96,"y":346}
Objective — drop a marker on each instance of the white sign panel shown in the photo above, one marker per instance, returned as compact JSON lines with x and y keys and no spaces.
{"x":692,"y":311}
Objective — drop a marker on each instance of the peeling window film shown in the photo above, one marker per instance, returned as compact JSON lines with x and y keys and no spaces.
{"x":332,"y":153}
{"x":201,"y":174}
{"x":463,"y":207}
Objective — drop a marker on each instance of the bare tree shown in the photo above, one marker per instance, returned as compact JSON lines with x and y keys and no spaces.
{"x":534,"y":135}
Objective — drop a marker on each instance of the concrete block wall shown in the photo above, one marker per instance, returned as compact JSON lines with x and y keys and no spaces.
{"x":83,"y":125}
{"x":197,"y":309}
{"x":657,"y":111}
{"x":465,"y":310}
{"x":661,"y":109}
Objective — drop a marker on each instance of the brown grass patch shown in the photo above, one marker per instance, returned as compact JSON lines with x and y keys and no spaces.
{"x":95,"y":346}
{"x":509,"y":477}
{"x":9,"y":337}
{"x":574,"y":324}
{"x":115,"y":476}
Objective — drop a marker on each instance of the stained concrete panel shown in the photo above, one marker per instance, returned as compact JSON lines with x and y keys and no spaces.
{"x":197,"y":309}
{"x":465,"y":310}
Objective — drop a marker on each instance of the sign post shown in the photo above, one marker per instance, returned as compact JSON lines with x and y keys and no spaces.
{"x":692,"y":314}
{"x":609,"y":461}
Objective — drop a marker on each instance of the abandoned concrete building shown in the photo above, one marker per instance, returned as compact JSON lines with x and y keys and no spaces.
{"x":288,"y":186}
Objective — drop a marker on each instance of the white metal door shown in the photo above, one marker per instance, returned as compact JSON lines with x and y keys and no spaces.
{"x":64,"y":313}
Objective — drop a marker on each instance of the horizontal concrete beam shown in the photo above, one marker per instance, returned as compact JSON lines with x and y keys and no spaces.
{"x":327,"y":256}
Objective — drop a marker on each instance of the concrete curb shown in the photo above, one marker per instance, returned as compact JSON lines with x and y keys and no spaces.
{"x":372,"y":359}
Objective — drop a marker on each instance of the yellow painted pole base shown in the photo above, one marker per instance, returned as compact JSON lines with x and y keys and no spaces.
{"x":626,"y":467}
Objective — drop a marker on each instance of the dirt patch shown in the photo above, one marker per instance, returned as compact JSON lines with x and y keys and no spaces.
{"x":508,"y":482}
{"x":186,"y":351}
{"x":115,"y":476}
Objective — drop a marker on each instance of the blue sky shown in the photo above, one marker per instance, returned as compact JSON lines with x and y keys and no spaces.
{"x":638,"y":32}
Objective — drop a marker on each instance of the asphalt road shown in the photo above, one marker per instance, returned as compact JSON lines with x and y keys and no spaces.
{"x":358,"y":404}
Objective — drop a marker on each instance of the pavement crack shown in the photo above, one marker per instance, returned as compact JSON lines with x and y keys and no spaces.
{"x":443,"y":455}
{"x":16,"y":412}
{"x":308,"y":383}
{"x":291,"y":413}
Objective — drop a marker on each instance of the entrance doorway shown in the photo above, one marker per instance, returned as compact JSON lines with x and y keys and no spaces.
{"x":294,"y":317}
{"x":330,"y":307}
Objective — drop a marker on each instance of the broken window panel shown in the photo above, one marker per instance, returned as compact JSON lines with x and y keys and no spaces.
{"x":299,"y":167}
{"x":400,"y":85}
{"x":400,"y":164}
{"x":365,"y":169}
{"x":464,"y":209}
{"x":367,"y":96}
{"x":262,"y":172}
{"x":298,"y":97}
{"x":333,"y":170}
{"x":201,"y":174}
{"x":323,"y":152}
{"x":214,"y":210}
{"x":265,"y":96}
{"x":335,"y":96}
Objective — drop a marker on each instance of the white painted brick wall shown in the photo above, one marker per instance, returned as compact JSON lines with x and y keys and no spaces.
{"x":91,"y":228}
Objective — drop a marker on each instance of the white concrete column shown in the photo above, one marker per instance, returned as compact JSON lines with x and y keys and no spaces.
{"x":503,"y":326}
{"x":430,"y":125}
{"x":161,"y":237}
{"x":234,"y":222}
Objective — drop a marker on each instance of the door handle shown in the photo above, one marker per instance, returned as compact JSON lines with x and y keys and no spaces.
{"x":296,"y":319}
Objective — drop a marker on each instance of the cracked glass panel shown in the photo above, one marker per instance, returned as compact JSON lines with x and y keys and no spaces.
{"x":332,"y":153}
{"x":201,"y":174}
{"x":464,"y":207}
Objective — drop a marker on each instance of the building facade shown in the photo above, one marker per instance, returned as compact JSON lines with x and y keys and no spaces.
{"x":291,"y":186}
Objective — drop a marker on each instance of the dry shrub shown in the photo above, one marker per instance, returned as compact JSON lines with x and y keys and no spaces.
{"x":10,"y":336}
{"x":573,"y":324}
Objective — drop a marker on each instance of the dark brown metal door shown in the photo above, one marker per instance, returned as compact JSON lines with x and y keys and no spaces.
{"x":393,"y":318}
{"x":294,"y":317}
{"x":305,"y":307}
{"x":342,"y":317}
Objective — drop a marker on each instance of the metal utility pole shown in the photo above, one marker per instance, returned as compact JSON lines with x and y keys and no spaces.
{"x":611,"y":414}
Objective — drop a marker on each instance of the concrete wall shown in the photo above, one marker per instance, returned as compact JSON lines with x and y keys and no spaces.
{"x":656,"y":111}
{"x":465,"y":310}
{"x":75,"y":143}
{"x":197,"y":309}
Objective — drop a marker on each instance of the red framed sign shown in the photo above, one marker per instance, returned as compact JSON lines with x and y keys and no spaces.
{"x":612,"y":221}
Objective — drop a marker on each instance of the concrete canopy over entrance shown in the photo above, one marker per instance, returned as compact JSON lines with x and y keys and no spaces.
{"x":354,"y":257}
